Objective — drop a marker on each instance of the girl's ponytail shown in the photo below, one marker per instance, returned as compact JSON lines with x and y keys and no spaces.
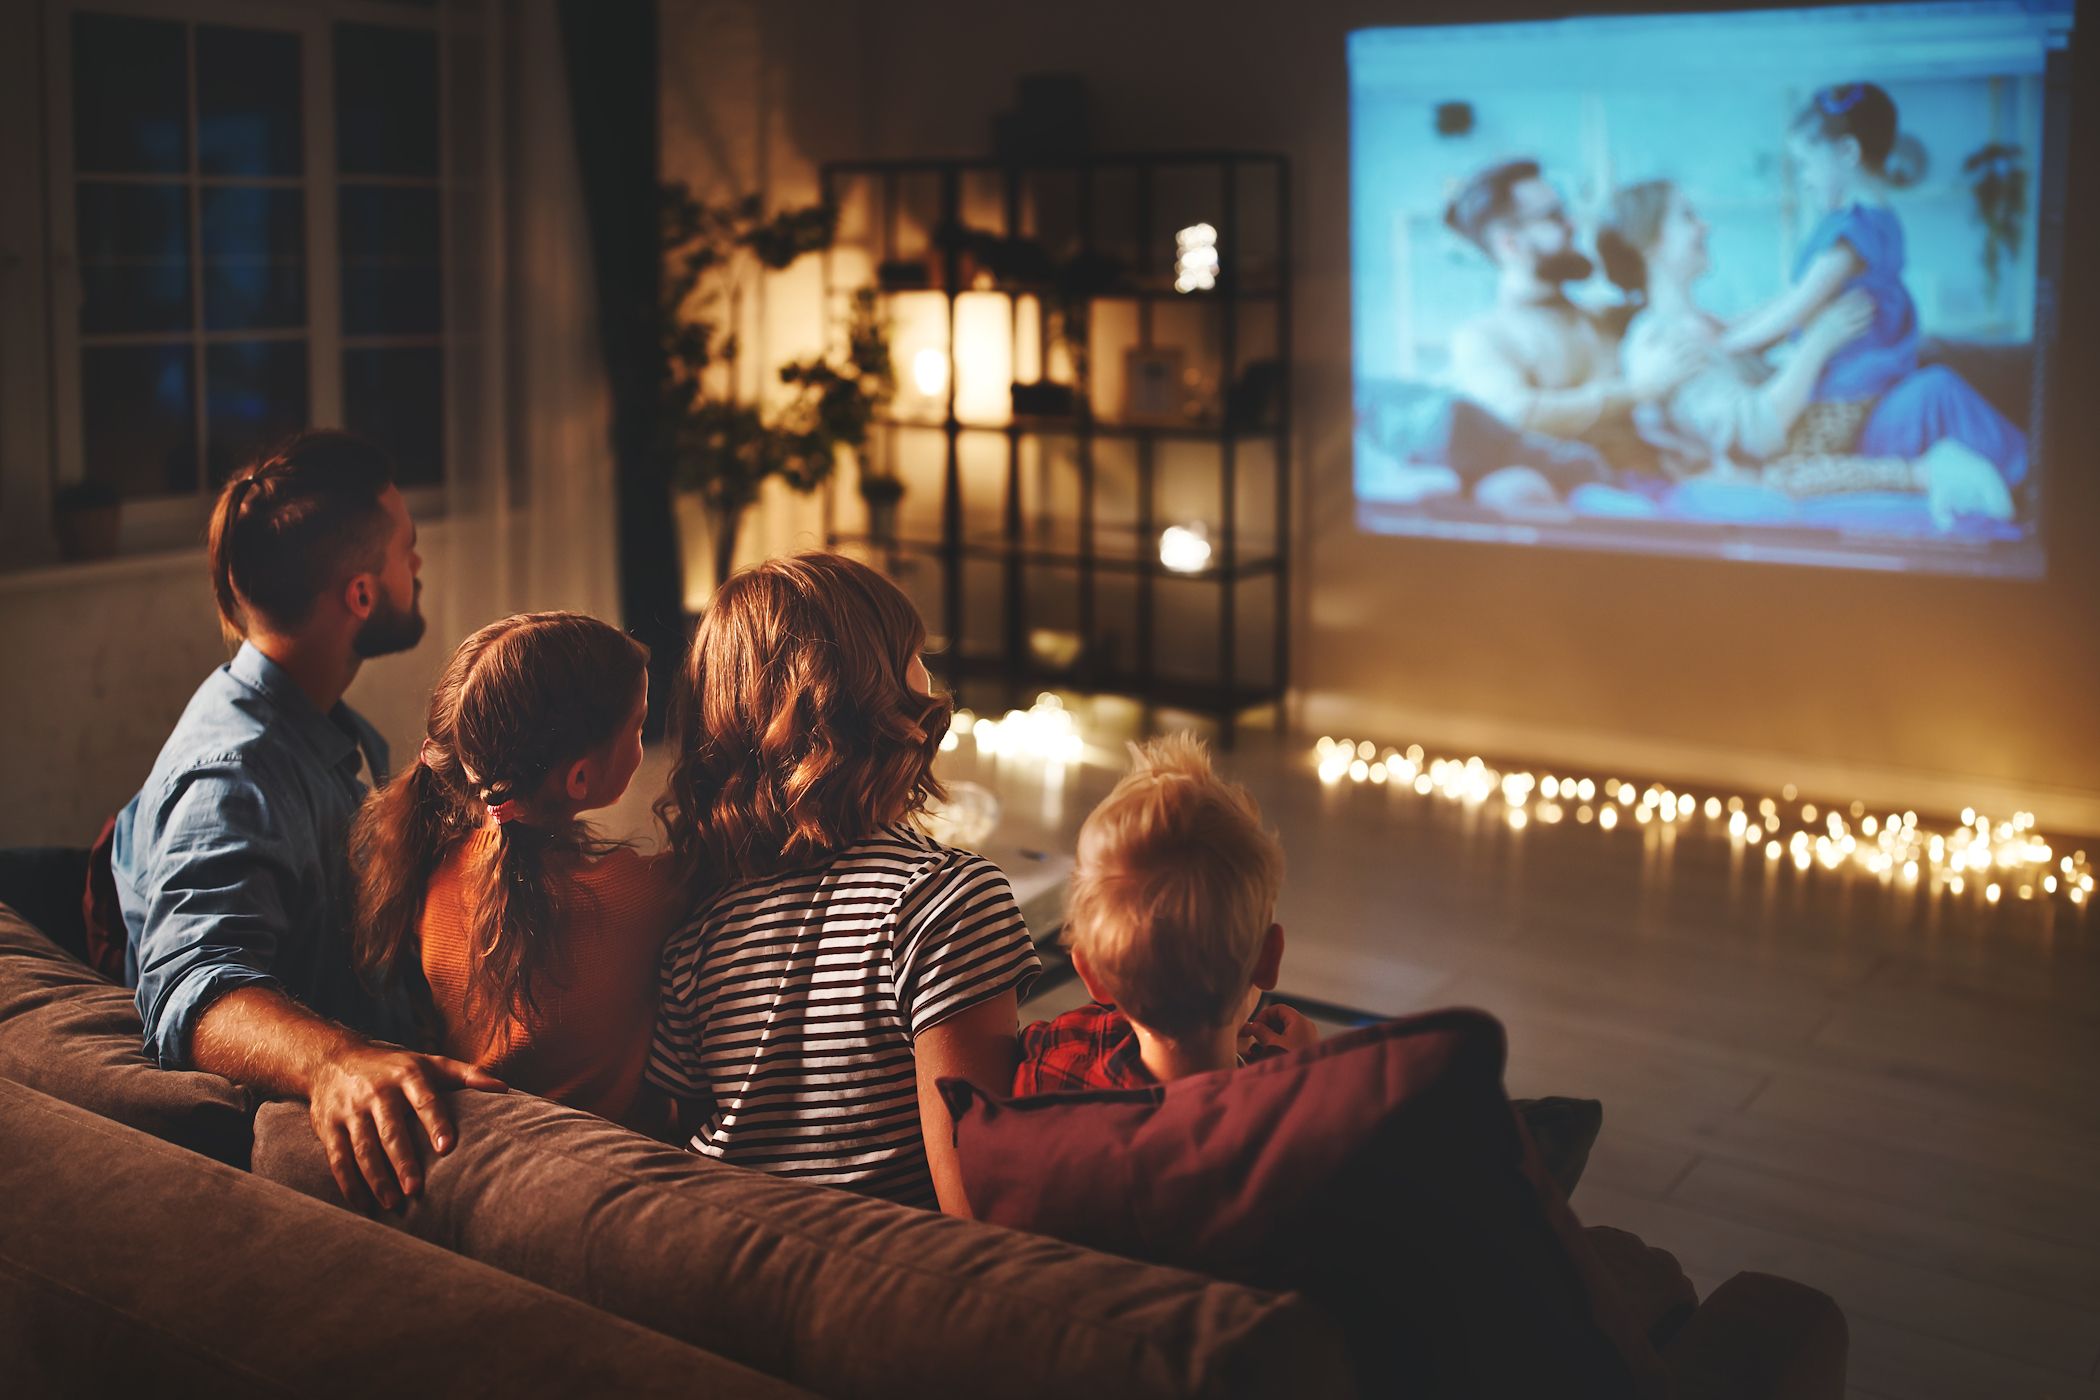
{"x":396,"y":844}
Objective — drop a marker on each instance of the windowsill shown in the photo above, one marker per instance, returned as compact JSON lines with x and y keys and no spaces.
{"x":76,"y":573}
{"x":167,"y":549}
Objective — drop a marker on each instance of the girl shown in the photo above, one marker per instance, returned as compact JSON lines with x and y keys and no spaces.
{"x":1871,"y":396}
{"x":838,"y":962}
{"x":539,"y":941}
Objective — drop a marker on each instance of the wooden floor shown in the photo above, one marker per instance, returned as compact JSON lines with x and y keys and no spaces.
{"x":1894,"y":1099}
{"x":1814,"y":1075}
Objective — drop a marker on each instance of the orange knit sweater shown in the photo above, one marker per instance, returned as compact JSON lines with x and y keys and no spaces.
{"x":587,"y":1041}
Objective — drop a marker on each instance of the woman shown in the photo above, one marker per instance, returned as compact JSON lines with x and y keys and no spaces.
{"x":1739,"y":419}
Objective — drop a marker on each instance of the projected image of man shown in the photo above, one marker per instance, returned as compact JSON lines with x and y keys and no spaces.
{"x":1536,"y":359}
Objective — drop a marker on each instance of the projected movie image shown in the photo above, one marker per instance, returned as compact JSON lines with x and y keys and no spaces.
{"x":1772,"y":285}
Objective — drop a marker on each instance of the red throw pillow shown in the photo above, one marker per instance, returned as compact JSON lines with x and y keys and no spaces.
{"x":1382,"y":1173}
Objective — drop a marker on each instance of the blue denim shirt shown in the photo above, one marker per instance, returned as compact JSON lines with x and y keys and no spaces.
{"x":232,"y":862}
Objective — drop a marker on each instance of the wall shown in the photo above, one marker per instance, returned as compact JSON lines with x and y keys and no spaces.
{"x":1929,"y":691}
{"x":120,"y":646}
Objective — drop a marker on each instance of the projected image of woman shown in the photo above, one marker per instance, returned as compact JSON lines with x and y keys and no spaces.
{"x":1741,"y":418}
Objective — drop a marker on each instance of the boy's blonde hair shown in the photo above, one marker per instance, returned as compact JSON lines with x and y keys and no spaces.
{"x":1174,"y":890}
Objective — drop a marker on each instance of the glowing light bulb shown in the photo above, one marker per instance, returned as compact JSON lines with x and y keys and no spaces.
{"x":1196,"y":258}
{"x":929,"y":372}
{"x":1608,"y":818}
{"x":1185,"y":549}
{"x":1771,"y":850}
{"x":1713,"y":808}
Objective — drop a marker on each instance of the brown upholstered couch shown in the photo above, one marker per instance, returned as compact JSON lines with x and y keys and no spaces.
{"x":555,"y":1253}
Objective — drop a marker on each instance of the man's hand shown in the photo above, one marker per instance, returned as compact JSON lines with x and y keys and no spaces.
{"x":1279,"y":1026}
{"x":371,"y":1107}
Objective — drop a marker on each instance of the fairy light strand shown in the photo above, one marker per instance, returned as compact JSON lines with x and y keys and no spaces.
{"x":2004,"y":860}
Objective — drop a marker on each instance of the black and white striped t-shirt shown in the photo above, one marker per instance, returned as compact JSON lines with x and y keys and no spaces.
{"x":790,"y":1005}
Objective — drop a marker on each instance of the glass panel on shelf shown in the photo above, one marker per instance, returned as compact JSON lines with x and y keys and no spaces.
{"x":1050,"y":594}
{"x":1185,"y":630}
{"x":130,"y":95}
{"x":138,"y":410}
{"x":255,"y":395}
{"x":919,"y":458}
{"x":1253,"y":252}
{"x":1254,"y":628}
{"x":249,"y":116}
{"x":134,"y":249}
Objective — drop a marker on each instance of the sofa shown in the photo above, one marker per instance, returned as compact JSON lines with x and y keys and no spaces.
{"x":163,"y":1227}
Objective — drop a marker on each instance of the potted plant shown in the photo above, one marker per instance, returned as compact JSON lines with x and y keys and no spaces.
{"x":1997,"y":177}
{"x":720,"y":447}
{"x":86,"y":516}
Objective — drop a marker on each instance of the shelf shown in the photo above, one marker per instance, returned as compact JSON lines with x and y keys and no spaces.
{"x":1047,"y":292}
{"x":1115,"y":551}
{"x":982,"y":583}
{"x":1198,"y":697}
{"x":1077,"y":426}
{"x":1078,"y":161}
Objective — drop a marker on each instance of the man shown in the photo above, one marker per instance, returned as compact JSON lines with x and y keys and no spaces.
{"x":1536,"y":359}
{"x":230,"y":864}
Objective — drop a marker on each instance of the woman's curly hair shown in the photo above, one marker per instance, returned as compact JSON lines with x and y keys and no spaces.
{"x":796,"y":732}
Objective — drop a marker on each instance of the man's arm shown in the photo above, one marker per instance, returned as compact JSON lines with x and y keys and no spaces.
{"x":364,"y":1099}
{"x":217,"y":897}
{"x":979,"y":1044}
{"x":1485,"y":372}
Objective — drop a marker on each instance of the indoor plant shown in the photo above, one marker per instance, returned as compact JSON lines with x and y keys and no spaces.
{"x":722,"y":447}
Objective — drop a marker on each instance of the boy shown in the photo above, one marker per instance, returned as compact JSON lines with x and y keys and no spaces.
{"x":1170,"y":924}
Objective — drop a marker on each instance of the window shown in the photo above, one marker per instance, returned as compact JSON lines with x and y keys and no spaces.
{"x":252,"y":199}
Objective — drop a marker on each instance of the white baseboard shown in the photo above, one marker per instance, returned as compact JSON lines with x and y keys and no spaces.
{"x":2065,"y":811}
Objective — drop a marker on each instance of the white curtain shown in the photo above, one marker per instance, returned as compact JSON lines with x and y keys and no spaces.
{"x":528,"y":516}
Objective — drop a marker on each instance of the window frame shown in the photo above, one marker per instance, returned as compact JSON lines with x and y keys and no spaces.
{"x":159,"y":522}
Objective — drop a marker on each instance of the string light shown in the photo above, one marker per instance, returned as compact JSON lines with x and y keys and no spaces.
{"x":2007,"y":858}
{"x":1045,"y":730}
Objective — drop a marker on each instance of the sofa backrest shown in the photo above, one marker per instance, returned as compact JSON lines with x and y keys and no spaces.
{"x":131,"y":1267}
{"x":67,"y":1032}
{"x":836,"y":1292}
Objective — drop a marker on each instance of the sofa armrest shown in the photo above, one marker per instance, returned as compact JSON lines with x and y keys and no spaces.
{"x":1757,"y":1337}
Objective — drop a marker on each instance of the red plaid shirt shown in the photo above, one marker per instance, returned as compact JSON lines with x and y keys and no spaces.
{"x":1089,"y":1047}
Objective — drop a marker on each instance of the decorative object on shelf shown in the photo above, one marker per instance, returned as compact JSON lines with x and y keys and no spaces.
{"x":720,"y":447}
{"x":881,"y":491}
{"x":87,"y":516}
{"x":1253,"y":399}
{"x":2005,"y":858}
{"x":903,"y":275}
{"x":1196,"y":258}
{"x":1185,"y":549}
{"x":1997,"y":175}
{"x":1055,"y":649}
{"x":1152,"y":388}
{"x":1044,"y":399}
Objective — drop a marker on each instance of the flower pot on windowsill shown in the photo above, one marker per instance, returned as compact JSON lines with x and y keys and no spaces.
{"x":881,"y":493}
{"x":86,"y":516}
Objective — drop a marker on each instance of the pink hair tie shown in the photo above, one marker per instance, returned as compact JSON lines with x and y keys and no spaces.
{"x":504,"y":811}
{"x":423,"y":754}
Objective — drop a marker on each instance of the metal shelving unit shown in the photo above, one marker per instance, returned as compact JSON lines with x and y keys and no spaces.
{"x":1095,"y":551}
